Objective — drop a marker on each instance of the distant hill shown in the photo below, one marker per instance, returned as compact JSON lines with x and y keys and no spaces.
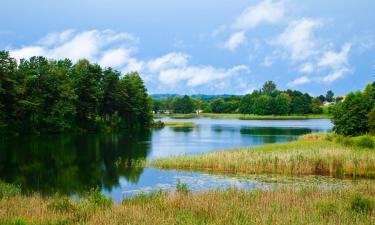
{"x":202,"y":96}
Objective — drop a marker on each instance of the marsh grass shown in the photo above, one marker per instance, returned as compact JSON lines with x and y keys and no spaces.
{"x":311,"y":155}
{"x":292,"y":205}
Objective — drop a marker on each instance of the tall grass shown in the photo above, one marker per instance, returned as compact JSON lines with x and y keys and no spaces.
{"x":311,"y":155}
{"x":309,"y":205}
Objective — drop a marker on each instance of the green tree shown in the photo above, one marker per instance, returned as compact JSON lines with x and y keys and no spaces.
{"x":183,"y":105}
{"x":329,"y":96}
{"x":282,"y":104}
{"x":351,"y":116}
{"x":316,"y":106}
{"x":269,"y":88}
{"x":263,"y":105}
{"x":371,"y":121}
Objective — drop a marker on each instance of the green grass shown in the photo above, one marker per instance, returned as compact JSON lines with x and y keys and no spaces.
{"x":311,"y":155}
{"x":246,"y":116}
{"x":352,"y":204}
{"x":178,"y":124}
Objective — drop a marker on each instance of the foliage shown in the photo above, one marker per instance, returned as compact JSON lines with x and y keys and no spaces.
{"x":371,"y":121}
{"x":351,"y":116}
{"x":183,"y":105}
{"x":8,"y":190}
{"x":361,"y":204}
{"x":329,"y":96}
{"x":52,"y":96}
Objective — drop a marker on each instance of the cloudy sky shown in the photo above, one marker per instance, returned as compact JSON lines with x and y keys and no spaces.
{"x":210,"y":46}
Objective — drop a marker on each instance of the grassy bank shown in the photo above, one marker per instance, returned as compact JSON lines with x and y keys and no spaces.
{"x":353,"y":204}
{"x":178,"y":124}
{"x":311,"y":155}
{"x":245,"y":116}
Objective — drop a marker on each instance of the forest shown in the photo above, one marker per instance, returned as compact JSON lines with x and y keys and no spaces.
{"x":266,"y":101}
{"x":40,"y":95}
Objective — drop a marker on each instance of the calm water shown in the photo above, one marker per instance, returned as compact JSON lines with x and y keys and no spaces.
{"x":73,"y":164}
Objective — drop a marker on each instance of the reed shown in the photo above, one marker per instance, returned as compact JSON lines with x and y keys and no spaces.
{"x":310,"y":155}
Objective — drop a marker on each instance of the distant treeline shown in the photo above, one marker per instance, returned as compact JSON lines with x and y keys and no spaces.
{"x":42,"y":95}
{"x":266,"y":101}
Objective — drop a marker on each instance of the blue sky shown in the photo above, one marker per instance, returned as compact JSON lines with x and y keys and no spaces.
{"x":211,"y":47}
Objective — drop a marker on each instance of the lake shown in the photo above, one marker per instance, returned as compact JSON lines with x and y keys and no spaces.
{"x":74,"y":163}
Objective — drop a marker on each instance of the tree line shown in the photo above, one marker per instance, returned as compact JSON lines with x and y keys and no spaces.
{"x":45,"y":95}
{"x":266,"y":101}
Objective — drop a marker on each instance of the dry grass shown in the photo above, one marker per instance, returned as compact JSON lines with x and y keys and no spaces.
{"x":311,"y":155}
{"x":308,"y":205}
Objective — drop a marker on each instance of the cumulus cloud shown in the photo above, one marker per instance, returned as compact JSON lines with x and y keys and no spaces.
{"x":170,"y":72}
{"x":194,"y":75}
{"x":299,"y":81}
{"x":335,"y":60}
{"x":235,"y":40}
{"x":94,"y":45}
{"x":267,"y":11}
{"x":298,"y":38}
{"x":170,"y":60}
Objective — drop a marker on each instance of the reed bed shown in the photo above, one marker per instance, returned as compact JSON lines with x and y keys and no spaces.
{"x":311,"y":155}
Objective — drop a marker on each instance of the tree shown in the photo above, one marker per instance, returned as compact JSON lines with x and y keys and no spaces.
{"x":269,"y":88}
{"x":351,"y":116}
{"x":329,"y":96}
{"x":263,"y":105}
{"x":183,"y":105}
{"x":371,"y":121}
{"x":282,"y":104}
{"x":246,"y":104}
{"x":316,"y":106}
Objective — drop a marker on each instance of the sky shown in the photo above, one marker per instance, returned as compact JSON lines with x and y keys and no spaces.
{"x":204,"y":47}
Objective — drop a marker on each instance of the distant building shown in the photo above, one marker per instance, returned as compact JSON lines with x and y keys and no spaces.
{"x":198,"y":111}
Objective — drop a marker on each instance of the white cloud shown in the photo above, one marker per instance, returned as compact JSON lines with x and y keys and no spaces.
{"x":298,"y":38}
{"x":115,"y":57}
{"x":267,"y":11}
{"x":335,"y":75}
{"x":299,"y":81}
{"x":335,"y":60}
{"x":307,"y":68}
{"x":235,"y":40}
{"x":74,"y":45}
{"x":194,"y":76}
{"x":170,"y":60}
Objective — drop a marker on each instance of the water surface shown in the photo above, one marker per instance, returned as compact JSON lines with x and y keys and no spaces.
{"x":72,"y":164}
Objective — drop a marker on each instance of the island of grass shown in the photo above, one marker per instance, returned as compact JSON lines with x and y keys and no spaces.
{"x":178,"y":124}
{"x":245,"y":116}
{"x":314,"y":154}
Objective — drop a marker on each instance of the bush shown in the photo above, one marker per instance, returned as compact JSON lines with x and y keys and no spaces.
{"x":8,"y":190}
{"x":327,"y":208}
{"x":365,"y":142}
{"x":182,"y":187}
{"x":362,"y":204}
{"x":97,"y":198}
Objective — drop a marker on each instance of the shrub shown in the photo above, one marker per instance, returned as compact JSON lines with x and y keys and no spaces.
{"x":365,"y":142}
{"x":361,"y":204}
{"x":327,"y":208}
{"x":97,"y":198}
{"x":371,"y":121}
{"x":9,"y":190}
{"x":182,"y":187}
